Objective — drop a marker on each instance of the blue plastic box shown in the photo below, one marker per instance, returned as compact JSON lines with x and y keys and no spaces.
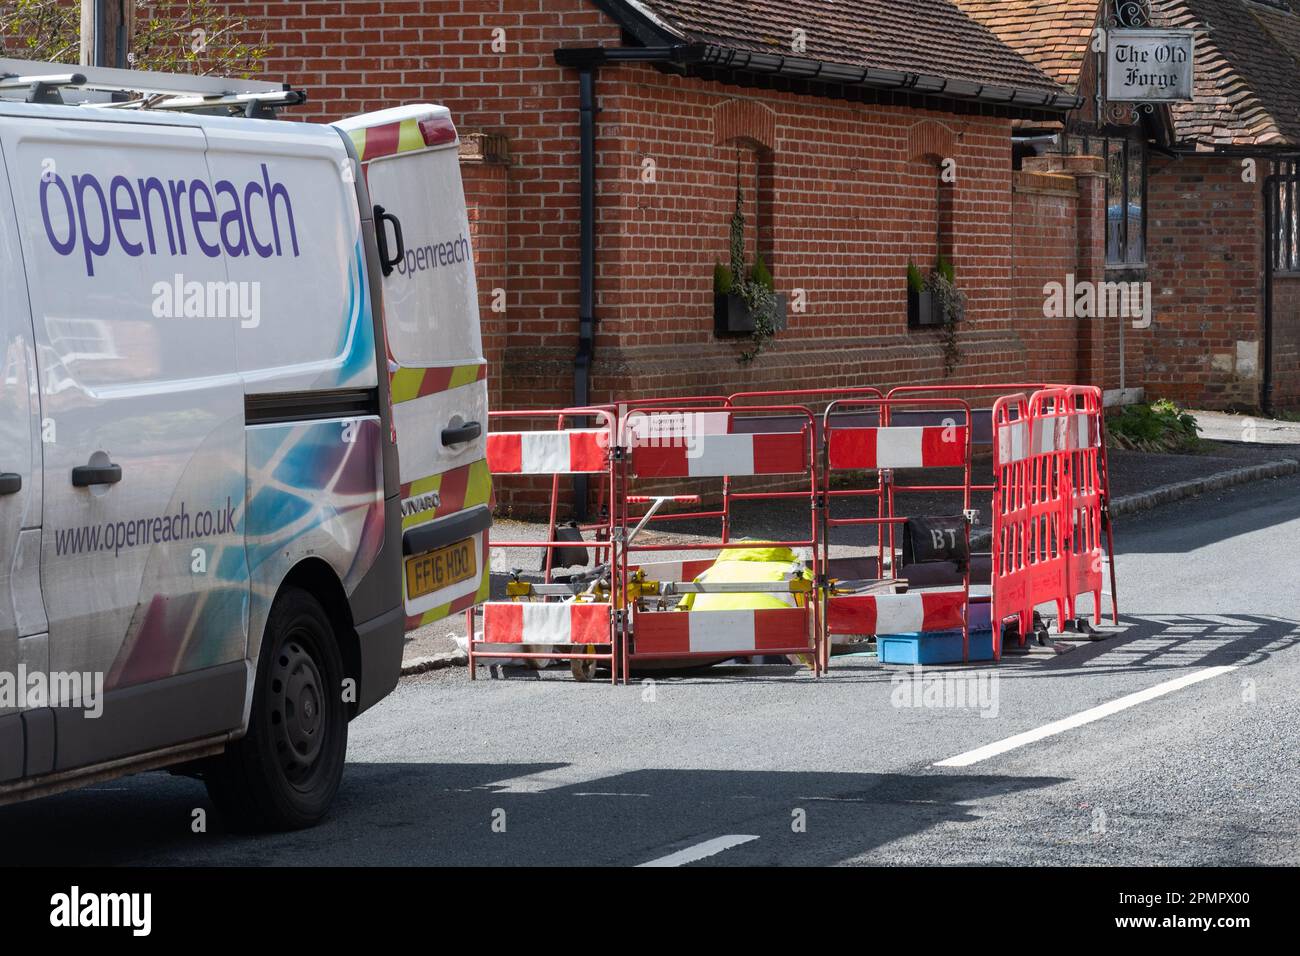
{"x":933,"y":647}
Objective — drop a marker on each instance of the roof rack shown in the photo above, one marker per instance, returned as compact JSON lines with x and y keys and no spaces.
{"x":108,"y":87}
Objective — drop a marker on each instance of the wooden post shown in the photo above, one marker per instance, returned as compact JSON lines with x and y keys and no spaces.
{"x":106,"y":30}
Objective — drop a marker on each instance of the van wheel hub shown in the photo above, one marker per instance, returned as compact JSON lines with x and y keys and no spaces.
{"x":298,"y":713}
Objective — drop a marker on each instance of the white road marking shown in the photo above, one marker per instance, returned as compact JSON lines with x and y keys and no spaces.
{"x":701,"y":850}
{"x":550,"y":779}
{"x":1083,"y":717}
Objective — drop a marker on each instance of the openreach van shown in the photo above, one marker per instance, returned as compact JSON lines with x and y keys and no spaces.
{"x":209,"y":551}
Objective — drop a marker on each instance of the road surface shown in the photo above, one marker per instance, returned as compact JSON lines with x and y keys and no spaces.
{"x":1171,"y":742}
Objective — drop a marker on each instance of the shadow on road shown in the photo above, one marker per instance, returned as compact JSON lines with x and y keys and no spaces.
{"x":450,"y":814}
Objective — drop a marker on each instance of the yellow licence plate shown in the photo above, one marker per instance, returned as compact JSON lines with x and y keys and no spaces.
{"x":435,"y":570}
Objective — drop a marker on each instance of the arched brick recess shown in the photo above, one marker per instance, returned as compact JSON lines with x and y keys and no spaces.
{"x":931,"y":140}
{"x":745,"y":120}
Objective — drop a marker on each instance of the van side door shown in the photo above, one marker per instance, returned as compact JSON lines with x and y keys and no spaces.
{"x":22,"y":622}
{"x":143,"y":565}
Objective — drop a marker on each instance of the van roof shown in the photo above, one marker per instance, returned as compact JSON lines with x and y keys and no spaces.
{"x":278,"y":128}
{"x":400,"y":129}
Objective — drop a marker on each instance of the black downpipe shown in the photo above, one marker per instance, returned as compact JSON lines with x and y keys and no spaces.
{"x":1266,"y":382}
{"x":587,"y":260}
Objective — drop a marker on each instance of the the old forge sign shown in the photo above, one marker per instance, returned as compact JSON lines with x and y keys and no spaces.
{"x":1148,"y":66}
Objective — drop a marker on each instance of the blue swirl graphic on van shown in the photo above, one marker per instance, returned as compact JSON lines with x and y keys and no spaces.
{"x":356,"y":347}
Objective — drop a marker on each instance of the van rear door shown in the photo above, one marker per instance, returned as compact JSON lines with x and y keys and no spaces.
{"x":437,"y":371}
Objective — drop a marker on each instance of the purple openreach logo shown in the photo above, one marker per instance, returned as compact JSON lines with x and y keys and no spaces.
{"x":168,"y":214}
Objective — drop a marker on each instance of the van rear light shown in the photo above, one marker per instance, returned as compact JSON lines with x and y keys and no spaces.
{"x":438,"y":131}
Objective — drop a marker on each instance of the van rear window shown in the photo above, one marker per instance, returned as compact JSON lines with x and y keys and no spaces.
{"x":430,"y":299}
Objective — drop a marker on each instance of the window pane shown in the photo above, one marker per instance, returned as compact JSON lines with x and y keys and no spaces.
{"x":1136,"y":251}
{"x":1114,"y":200}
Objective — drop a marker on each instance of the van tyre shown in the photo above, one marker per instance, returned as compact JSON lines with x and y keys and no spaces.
{"x":283,"y":774}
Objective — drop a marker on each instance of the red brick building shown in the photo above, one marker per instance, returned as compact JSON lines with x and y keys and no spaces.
{"x":1209,"y":186}
{"x":837,"y":123}
{"x":840,"y":121}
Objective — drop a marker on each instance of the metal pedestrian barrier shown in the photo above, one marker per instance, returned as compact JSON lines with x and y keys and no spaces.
{"x":571,"y":619}
{"x":915,"y":582}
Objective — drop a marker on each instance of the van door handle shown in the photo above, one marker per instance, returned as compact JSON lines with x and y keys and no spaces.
{"x":84,"y":475}
{"x":387,"y":262}
{"x":10,"y":483}
{"x":461,"y":433}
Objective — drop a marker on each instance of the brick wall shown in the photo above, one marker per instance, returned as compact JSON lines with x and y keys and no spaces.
{"x":1204,"y":228}
{"x":1045,"y":206}
{"x":483,"y":165}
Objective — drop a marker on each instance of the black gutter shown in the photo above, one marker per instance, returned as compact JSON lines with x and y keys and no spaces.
{"x":840,"y":74}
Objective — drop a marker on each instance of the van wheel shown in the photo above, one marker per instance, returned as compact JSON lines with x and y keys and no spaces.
{"x":283,"y":774}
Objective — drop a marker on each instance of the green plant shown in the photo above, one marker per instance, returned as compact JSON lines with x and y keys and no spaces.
{"x":1156,"y":426}
{"x":915,"y":281}
{"x":760,"y":275}
{"x":723,"y":280}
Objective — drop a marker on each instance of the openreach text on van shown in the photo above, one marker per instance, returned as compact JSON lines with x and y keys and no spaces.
{"x":135,"y":213}
{"x":432,"y":255}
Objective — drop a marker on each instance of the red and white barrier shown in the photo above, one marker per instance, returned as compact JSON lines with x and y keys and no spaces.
{"x":511,"y":622}
{"x":926,"y":446}
{"x":759,"y":631}
{"x":577,"y":450}
{"x":896,"y":613}
{"x":673,"y":570}
{"x":715,"y":456}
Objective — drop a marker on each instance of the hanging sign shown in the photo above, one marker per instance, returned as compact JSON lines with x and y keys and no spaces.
{"x":1149,"y":66}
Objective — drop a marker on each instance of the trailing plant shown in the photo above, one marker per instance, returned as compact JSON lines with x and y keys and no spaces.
{"x":755,"y":286}
{"x":952,"y":306}
{"x":1157,"y":426}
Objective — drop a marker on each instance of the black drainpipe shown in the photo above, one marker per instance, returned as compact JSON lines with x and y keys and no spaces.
{"x":586,"y":258}
{"x":587,"y":60}
{"x":1266,"y":380}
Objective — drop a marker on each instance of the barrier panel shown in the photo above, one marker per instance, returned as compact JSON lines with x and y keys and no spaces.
{"x":1088,"y":519}
{"x":573,"y":620}
{"x":745,"y":614}
{"x":1010,"y":519}
{"x":1049,"y":513}
{"x":861,"y":606}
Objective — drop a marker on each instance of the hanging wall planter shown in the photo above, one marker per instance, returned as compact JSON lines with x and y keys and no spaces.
{"x":733,"y":316}
{"x":922,"y":310}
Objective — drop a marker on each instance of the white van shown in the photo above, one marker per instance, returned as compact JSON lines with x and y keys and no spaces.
{"x":201,"y":513}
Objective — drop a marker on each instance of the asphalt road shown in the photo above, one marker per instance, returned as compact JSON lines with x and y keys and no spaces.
{"x":767,"y":766}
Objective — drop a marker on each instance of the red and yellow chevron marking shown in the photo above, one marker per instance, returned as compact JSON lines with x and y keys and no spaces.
{"x":389,"y":139}
{"x":463,"y":603}
{"x":458,"y":489}
{"x":407,"y":384}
